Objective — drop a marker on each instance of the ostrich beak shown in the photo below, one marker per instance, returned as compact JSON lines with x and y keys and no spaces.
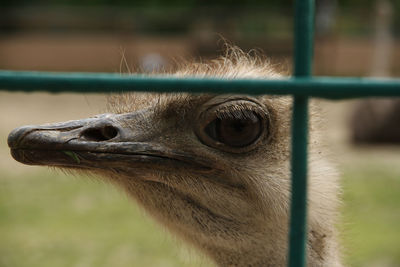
{"x":101,"y":142}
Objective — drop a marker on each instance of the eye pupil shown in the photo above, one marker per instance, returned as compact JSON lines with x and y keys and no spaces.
{"x":235,"y":132}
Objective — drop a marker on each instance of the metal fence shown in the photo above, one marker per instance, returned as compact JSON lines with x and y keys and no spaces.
{"x":301,"y":86}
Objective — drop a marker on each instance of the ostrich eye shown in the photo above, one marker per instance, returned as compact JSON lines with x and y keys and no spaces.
{"x":236,"y":132}
{"x":236,"y":125}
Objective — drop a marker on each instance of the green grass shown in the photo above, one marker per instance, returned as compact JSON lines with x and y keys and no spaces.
{"x":49,"y":219}
{"x":371,"y":215}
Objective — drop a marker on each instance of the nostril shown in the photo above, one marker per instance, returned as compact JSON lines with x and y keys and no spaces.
{"x":103,"y":133}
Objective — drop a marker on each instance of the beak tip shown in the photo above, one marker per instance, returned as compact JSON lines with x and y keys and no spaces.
{"x":16,"y":154}
{"x":16,"y":135}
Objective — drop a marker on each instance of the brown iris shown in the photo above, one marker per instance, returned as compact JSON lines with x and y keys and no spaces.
{"x":235,"y":132}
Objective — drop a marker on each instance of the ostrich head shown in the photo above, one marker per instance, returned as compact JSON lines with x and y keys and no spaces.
{"x":214,"y":169}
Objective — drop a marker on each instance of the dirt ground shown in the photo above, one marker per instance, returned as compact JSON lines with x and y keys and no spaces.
{"x":103,"y":52}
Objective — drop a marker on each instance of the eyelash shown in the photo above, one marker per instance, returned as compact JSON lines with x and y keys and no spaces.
{"x":236,"y":112}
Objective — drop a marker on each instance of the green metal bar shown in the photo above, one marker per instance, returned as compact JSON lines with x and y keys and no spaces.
{"x":303,"y":37}
{"x":323,"y":87}
{"x":303,"y":54}
{"x":298,"y":212}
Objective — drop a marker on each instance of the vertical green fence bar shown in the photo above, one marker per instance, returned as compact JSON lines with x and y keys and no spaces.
{"x":303,"y":53}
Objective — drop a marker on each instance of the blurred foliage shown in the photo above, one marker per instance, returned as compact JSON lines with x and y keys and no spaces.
{"x":396,"y":24}
{"x":189,"y":3}
{"x":174,"y":15}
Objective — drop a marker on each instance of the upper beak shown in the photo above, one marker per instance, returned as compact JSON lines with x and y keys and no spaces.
{"x":98,"y":142}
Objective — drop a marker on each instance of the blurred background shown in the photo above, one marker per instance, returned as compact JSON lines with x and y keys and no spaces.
{"x":51,"y":219}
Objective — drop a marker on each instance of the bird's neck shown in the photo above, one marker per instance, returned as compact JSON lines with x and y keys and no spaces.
{"x":255,"y":249}
{"x":254,"y":257}
{"x":272,"y":250}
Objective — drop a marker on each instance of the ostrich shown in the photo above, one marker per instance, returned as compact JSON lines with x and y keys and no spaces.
{"x":213,"y":169}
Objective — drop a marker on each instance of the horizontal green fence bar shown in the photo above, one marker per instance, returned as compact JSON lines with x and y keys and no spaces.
{"x":324,"y":87}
